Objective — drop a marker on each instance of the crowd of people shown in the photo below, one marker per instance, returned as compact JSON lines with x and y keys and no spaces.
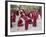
{"x":25,"y":16}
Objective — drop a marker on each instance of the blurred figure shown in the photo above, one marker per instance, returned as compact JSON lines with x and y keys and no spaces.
{"x":24,"y":16}
{"x":20,"y":21}
{"x":17,"y":16}
{"x":12,"y":16}
{"x":34,"y":15}
{"x":17,"y":11}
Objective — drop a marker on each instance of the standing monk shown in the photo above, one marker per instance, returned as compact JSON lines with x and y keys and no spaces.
{"x":24,"y":16}
{"x":34,"y":15}
{"x":12,"y":17}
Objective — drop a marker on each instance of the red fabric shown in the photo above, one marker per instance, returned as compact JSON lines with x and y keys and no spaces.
{"x":26,"y":22}
{"x":34,"y":17}
{"x":13,"y":16}
{"x":20,"y":22}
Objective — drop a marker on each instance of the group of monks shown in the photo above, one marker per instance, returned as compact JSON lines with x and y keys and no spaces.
{"x":29,"y":17}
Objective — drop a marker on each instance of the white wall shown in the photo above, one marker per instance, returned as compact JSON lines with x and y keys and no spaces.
{"x":2,"y":18}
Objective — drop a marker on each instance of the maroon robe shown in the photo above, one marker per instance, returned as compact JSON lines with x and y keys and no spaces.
{"x":20,"y":22}
{"x":13,"y":16}
{"x":26,"y":21}
{"x":34,"y":16}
